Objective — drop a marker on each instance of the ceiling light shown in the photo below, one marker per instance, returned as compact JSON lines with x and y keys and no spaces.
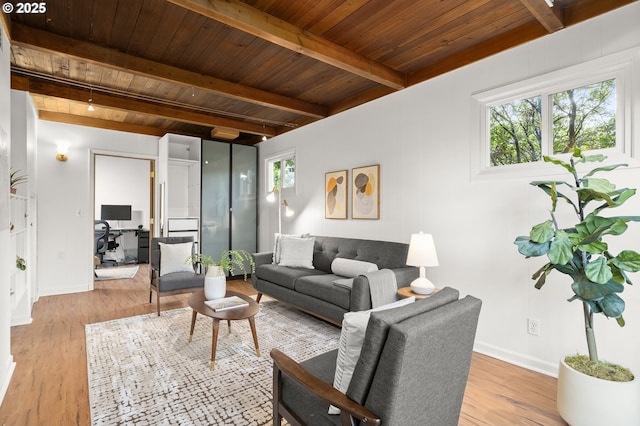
{"x":549,"y":3}
{"x":90,"y":107}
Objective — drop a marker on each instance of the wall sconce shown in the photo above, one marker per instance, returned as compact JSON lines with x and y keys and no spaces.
{"x":63,"y":148}
{"x":271,"y":197}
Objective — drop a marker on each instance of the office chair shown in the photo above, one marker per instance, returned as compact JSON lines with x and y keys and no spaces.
{"x":101,"y":238}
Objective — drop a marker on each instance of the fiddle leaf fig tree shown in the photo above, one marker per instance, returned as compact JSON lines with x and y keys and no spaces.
{"x":580,"y":251}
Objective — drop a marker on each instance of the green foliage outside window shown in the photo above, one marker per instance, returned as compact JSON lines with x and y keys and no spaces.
{"x":515,"y":132}
{"x":583,"y":118}
{"x":288,"y":177}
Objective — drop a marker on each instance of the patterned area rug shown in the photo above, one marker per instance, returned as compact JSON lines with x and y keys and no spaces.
{"x":143,"y":371}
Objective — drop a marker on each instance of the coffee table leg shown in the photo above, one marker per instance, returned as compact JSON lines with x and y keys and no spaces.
{"x":214,"y":341}
{"x":193,"y":324}
{"x":252,"y":324}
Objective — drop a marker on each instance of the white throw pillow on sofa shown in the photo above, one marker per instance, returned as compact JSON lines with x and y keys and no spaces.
{"x":276,"y":245}
{"x":173,"y":258}
{"x":351,"y":268}
{"x":354,"y":327}
{"x":296,"y":252}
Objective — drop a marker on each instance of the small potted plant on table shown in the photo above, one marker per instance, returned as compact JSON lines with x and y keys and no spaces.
{"x":586,"y":394}
{"x":231,"y":261}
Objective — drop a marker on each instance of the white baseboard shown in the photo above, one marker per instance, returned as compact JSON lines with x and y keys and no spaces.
{"x":24,"y":320}
{"x":11,"y":366}
{"x":524,"y":361}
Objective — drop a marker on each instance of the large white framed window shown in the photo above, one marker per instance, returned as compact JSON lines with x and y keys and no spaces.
{"x":280,"y":171}
{"x":586,"y":106}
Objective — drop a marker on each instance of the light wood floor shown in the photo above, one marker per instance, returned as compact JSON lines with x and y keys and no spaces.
{"x":49,"y":385}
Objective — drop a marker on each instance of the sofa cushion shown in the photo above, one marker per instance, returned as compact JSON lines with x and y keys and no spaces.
{"x":351,"y":268}
{"x":173,"y":258}
{"x":296,"y":252}
{"x":180,"y":281}
{"x":321,"y":287}
{"x":276,"y":244}
{"x":283,"y":275}
{"x":385,"y":254}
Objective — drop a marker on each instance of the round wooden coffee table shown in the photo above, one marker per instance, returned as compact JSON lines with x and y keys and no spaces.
{"x":196,"y":301}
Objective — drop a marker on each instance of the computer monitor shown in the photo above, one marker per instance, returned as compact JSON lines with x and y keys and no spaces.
{"x":115,"y":212}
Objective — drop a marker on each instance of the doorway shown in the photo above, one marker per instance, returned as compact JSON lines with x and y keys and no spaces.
{"x":123,"y":209}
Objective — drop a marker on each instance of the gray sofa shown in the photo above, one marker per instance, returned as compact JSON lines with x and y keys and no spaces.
{"x":313,"y":290}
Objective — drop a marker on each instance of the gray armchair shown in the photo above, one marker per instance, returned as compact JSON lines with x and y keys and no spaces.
{"x":412,"y":370}
{"x":172,"y":283}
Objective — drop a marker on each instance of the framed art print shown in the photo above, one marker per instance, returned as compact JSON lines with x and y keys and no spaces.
{"x":365,"y":192}
{"x":335,"y":197}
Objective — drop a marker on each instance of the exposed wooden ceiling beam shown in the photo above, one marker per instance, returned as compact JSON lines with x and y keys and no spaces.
{"x":587,"y":9}
{"x":99,"y":123}
{"x":549,"y":17}
{"x":253,"y":21}
{"x":51,"y":43}
{"x":142,"y":107}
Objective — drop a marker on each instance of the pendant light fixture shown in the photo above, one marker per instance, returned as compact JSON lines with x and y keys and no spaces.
{"x":90,"y":107}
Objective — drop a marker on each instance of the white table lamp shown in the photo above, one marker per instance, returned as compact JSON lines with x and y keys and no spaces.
{"x":422,"y":253}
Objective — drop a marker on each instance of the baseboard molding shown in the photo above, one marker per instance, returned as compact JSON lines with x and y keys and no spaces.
{"x":25,"y":320}
{"x":4,"y":386}
{"x":515,"y":358}
{"x":62,"y":290}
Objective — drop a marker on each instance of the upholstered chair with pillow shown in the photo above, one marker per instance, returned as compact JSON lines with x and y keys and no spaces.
{"x":170,"y":274}
{"x":406,"y":365}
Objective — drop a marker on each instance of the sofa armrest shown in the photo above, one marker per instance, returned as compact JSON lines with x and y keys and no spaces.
{"x":261,"y":258}
{"x":361,"y":293}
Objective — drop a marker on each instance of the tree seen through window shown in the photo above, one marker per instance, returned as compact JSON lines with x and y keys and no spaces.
{"x":583,"y":117}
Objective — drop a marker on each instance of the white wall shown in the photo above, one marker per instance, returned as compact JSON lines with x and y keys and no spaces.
{"x":65,"y":200}
{"x":6,"y":263}
{"x":421,"y":137}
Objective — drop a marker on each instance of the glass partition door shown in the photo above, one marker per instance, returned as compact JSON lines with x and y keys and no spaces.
{"x":228,"y":198}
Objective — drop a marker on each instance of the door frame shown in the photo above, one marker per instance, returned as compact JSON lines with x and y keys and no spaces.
{"x":153,"y":165}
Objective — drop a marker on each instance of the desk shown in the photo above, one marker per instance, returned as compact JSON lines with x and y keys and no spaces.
{"x":133,"y":246}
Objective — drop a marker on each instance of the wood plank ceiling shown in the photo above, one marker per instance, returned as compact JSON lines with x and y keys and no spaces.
{"x":243,"y":69}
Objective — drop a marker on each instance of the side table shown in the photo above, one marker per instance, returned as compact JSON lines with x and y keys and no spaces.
{"x":404,"y":292}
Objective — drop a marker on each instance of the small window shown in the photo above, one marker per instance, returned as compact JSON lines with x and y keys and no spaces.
{"x":581,"y":117}
{"x":281,"y":171}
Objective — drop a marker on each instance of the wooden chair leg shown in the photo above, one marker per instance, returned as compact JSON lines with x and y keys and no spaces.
{"x":277,"y":420}
{"x":258,"y":297}
{"x":158,"y":300}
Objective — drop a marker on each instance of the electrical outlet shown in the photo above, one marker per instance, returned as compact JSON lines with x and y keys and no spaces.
{"x":533,"y":326}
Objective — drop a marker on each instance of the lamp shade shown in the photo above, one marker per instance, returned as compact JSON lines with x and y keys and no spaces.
{"x":422,"y":251}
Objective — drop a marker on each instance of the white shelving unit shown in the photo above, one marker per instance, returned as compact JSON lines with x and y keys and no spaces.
{"x":20,"y":289}
{"x":180,"y":171}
